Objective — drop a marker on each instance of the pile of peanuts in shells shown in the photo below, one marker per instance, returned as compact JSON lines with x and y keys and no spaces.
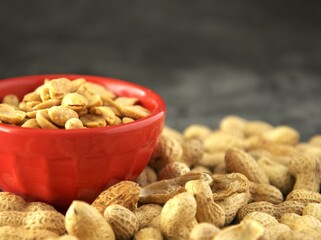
{"x":244,"y":180}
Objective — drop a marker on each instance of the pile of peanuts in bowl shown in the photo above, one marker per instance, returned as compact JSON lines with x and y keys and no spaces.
{"x":244,"y":180}
{"x":62,"y":103}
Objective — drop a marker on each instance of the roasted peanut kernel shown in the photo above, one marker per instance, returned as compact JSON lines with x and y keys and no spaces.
{"x":32,"y":104}
{"x":82,"y":112}
{"x":76,"y":84}
{"x":44,"y":93}
{"x":43,"y":120}
{"x":116,"y":111}
{"x":60,"y":115}
{"x":59,"y":87}
{"x":104,"y":93}
{"x":94,"y":100}
{"x":25,"y":107}
{"x":47,"y":104}
{"x":127,"y":120}
{"x":74,"y":123}
{"x":91,"y":120}
{"x":127,"y":101}
{"x":11,"y":99}
{"x":106,"y":112}
{"x":117,"y":121}
{"x":82,"y":90}
{"x":31,"y":123}
{"x":135,"y":112}
{"x":33,"y":96}
{"x":10,"y":114}
{"x":32,"y":114}
{"x":74,"y":101}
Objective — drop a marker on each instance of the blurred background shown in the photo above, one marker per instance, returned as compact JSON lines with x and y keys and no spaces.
{"x":257,"y":59}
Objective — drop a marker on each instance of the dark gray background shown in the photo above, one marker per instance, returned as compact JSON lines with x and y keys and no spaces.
{"x":257,"y":59}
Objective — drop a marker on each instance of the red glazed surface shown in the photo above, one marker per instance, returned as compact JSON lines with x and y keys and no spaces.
{"x":58,"y":166}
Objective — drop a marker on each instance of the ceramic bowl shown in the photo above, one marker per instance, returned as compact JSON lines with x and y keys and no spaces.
{"x":59,"y":166}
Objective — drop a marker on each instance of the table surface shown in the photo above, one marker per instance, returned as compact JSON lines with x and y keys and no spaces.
{"x":207,"y":59}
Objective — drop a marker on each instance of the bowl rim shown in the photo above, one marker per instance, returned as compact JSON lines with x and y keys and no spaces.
{"x":158,"y":113}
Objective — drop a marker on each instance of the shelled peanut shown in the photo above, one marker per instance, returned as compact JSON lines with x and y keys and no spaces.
{"x":62,"y":103}
{"x":244,"y":180}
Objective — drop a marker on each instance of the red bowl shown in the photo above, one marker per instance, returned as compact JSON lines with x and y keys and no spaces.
{"x":59,"y":166}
